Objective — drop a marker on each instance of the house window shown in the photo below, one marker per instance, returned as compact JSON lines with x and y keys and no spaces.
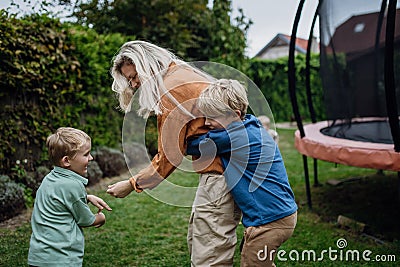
{"x":359,"y":27}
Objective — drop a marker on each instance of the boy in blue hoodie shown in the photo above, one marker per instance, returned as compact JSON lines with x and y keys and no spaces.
{"x":253,"y":168}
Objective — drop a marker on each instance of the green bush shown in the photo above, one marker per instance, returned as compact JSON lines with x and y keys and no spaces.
{"x":101,"y":116}
{"x":11,"y":198}
{"x":272,"y":78}
{"x":40,"y":86}
{"x":53,"y":75}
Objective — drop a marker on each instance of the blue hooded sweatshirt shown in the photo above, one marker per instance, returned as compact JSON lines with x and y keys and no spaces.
{"x":253,"y":168}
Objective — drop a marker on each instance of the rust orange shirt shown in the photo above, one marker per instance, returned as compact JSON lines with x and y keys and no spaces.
{"x":179,"y":120}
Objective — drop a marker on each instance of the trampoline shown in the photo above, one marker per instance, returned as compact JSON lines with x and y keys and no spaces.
{"x":352,"y":147}
{"x":359,"y":69}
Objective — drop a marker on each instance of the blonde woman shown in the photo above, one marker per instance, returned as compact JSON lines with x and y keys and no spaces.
{"x":168,"y":88}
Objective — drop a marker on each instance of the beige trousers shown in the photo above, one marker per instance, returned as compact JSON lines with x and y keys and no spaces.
{"x":262,"y":242}
{"x":212,"y":225}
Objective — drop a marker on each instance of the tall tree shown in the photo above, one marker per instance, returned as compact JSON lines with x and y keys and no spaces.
{"x":228,"y":41}
{"x":192,"y":29}
{"x":189,"y":27}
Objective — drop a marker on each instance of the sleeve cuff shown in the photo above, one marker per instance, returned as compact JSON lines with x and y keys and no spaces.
{"x":134,"y":185}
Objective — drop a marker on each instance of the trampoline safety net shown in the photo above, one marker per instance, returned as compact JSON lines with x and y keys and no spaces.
{"x":352,"y":48}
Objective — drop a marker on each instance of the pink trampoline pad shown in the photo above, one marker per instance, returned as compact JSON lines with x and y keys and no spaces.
{"x":347,"y":152}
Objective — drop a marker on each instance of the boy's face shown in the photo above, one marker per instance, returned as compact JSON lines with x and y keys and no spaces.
{"x":215,"y":123}
{"x":221,"y":121}
{"x":79,"y":163}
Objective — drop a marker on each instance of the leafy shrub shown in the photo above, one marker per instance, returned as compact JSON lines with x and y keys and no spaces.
{"x":41,"y":83}
{"x":272,"y":78}
{"x":11,"y":198}
{"x":55,"y":75}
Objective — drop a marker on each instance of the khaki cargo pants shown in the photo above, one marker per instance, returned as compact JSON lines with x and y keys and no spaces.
{"x":261,"y":243}
{"x":212,"y":226}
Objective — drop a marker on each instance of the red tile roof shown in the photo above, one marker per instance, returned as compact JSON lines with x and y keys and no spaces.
{"x":279,"y":39}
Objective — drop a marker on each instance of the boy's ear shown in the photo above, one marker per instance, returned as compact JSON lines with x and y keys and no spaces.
{"x":65,"y":162}
{"x":238,"y":113}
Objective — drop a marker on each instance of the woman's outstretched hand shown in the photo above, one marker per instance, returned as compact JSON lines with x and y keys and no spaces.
{"x":120,"y":189}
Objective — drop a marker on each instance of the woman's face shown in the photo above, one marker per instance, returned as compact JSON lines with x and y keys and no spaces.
{"x":128,"y":70}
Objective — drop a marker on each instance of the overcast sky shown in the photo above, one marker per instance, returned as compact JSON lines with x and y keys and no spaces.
{"x":271,"y":17}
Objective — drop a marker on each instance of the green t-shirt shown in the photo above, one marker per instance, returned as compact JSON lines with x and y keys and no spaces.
{"x":59,"y":213}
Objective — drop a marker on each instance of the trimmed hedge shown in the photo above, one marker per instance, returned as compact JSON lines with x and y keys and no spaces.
{"x":272,"y":78}
{"x":53,"y":75}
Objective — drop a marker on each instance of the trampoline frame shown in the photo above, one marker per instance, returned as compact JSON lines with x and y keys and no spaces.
{"x":309,"y":141}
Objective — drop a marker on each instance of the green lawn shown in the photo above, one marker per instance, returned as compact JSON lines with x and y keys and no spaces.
{"x":142,"y":231}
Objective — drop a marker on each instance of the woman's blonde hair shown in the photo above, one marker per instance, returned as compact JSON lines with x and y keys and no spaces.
{"x":151,"y":64}
{"x":66,"y":141}
{"x":223,"y":97}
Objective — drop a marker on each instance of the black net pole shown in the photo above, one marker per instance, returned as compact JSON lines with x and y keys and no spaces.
{"x":390,"y":91}
{"x":308,"y":68}
{"x":292,"y":93}
{"x":377,"y":60}
{"x":292,"y":70}
{"x":308,"y":85}
{"x":391,"y":102}
{"x":307,"y":181}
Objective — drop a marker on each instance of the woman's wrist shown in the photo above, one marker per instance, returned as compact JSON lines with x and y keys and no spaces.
{"x":134,"y":185}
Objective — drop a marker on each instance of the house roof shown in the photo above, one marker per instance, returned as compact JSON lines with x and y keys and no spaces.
{"x":284,"y":39}
{"x":361,"y":30}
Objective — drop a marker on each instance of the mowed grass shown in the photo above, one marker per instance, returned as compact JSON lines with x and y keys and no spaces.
{"x":144,"y":231}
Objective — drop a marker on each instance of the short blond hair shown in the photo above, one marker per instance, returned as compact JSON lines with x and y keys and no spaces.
{"x":265,"y":121}
{"x":66,"y":141}
{"x":223,"y":97}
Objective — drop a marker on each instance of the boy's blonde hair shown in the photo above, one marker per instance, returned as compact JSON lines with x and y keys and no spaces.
{"x":265,"y":121}
{"x":223,"y":97}
{"x":66,"y":141}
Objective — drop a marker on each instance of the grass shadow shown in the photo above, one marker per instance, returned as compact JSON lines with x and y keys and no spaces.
{"x":372,"y":200}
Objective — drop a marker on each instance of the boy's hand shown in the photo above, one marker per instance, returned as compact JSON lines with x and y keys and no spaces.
{"x":100,"y":220}
{"x":98,"y":202}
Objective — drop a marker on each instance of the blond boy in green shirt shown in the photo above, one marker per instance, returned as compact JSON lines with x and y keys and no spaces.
{"x":61,"y":210}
